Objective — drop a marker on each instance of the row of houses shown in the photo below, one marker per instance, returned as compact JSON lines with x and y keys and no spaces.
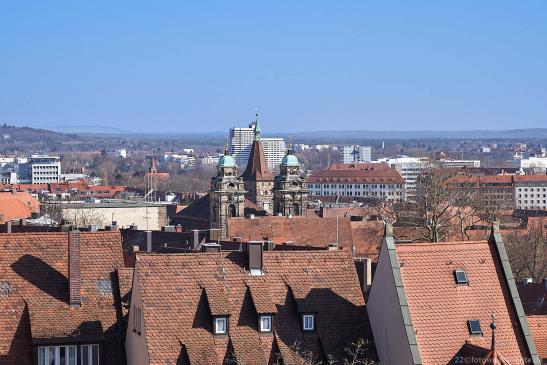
{"x":74,"y":298}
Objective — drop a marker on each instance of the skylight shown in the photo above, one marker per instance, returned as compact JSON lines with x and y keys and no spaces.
{"x":474,"y":327}
{"x":460,"y":276}
{"x":5,"y":289}
{"x":104,"y":286}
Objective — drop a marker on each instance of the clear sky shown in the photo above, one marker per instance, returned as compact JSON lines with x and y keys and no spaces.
{"x":308,"y":65}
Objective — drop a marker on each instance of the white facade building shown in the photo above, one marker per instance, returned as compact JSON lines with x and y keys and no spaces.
{"x":458,"y":163}
{"x":534,"y":163}
{"x":531,"y":192}
{"x":241,"y":140}
{"x":375,"y":181}
{"x":409,"y":168}
{"x":355,"y":154}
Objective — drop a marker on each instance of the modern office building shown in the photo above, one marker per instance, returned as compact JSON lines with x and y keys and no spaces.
{"x":355,"y":154}
{"x":37,"y":169}
{"x":241,"y":141}
{"x":409,"y":168}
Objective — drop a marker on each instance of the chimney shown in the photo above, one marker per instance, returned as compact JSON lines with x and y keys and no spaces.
{"x":148,"y":241}
{"x":168,"y":228}
{"x":93,"y":228}
{"x":364,"y":272}
{"x":210,"y":247}
{"x":178,"y":228}
{"x":112,"y":227}
{"x":74,"y":277}
{"x":527,"y":281}
{"x":8,"y":226}
{"x":255,"y":254}
{"x":134,"y":227}
{"x":195,"y":238}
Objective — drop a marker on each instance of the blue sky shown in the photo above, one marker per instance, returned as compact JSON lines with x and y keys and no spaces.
{"x":186,"y":66}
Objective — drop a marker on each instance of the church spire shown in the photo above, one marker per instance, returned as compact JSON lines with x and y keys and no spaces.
{"x":257,"y":128}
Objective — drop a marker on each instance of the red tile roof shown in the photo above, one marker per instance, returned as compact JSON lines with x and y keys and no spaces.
{"x":36,"y":310}
{"x":365,"y":236}
{"x":538,"y":328}
{"x":440,"y":309}
{"x":362,"y":173}
{"x":177,"y":314}
{"x":17,"y":205}
{"x":257,"y":167}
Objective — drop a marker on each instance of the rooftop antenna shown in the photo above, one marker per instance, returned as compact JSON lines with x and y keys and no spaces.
{"x":493,"y":327}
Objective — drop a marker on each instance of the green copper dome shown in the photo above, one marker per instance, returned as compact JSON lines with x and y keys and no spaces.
{"x":290,"y":161}
{"x":226,"y":160}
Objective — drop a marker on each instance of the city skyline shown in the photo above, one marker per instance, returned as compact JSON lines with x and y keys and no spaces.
{"x":307,"y":66}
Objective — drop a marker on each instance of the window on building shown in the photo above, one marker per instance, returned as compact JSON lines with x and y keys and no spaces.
{"x":265,"y":323}
{"x":461,"y":277}
{"x":90,"y":354}
{"x":220,"y":325}
{"x":474,"y":327}
{"x":308,"y":322}
{"x":57,"y":355}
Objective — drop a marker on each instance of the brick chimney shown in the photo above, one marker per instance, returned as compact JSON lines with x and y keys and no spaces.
{"x":74,"y":269}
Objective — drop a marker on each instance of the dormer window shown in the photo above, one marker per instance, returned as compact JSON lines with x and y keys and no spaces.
{"x":461,"y":277}
{"x":220,"y":325}
{"x":308,"y":322}
{"x":474,"y":327}
{"x":265,"y":323}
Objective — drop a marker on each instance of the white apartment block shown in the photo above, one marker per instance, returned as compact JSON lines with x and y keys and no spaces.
{"x":45,"y":169}
{"x":409,"y":168}
{"x":376,"y":181}
{"x":531,"y":192}
{"x":355,"y":154}
{"x":458,"y":163}
{"x":534,"y":163}
{"x":241,"y":140}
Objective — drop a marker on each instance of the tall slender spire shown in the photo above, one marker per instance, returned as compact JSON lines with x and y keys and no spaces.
{"x":257,"y":127}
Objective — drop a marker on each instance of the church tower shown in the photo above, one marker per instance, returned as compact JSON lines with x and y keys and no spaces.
{"x":290,"y":191}
{"x":259,"y":181}
{"x":226,"y":194}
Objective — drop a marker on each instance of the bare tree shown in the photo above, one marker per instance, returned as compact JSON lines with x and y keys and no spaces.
{"x":528,"y":252}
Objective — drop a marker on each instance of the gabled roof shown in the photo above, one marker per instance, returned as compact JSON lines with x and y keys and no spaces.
{"x":36,"y":267}
{"x":439,"y":308}
{"x":257,"y":166}
{"x":538,"y":328}
{"x":178,"y":311}
{"x":375,"y":173}
{"x":17,"y":205}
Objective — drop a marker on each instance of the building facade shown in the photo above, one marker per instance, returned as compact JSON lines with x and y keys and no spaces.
{"x":372,"y":180}
{"x":227,"y":194}
{"x":409,"y":168}
{"x":355,"y":154}
{"x":290,"y":190}
{"x":37,"y":169}
{"x":241,"y":142}
{"x":530,"y":192}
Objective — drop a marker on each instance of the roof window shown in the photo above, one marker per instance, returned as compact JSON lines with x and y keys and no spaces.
{"x":461,"y":277}
{"x":474,"y":327}
{"x":5,"y":289}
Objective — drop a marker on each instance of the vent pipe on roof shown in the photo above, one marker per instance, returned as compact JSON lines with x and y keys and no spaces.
{"x":148,"y":241}
{"x":74,"y":268}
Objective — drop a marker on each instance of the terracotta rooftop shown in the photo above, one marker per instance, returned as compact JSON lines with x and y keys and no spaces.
{"x":257,"y":166}
{"x":181,"y":292}
{"x":364,"y":173}
{"x":438,"y":308}
{"x":538,"y":327}
{"x":34,"y":277}
{"x":17,"y":205}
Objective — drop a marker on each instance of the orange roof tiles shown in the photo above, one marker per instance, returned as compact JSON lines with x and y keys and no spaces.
{"x":36,"y":310}
{"x":17,"y":205}
{"x":538,"y":328}
{"x":257,"y":167}
{"x":362,"y":173}
{"x":440,"y":308}
{"x":178,"y":320}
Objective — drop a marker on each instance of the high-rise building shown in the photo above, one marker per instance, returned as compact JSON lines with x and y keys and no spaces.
{"x":409,"y":168}
{"x":355,"y":154}
{"x":241,"y":141}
